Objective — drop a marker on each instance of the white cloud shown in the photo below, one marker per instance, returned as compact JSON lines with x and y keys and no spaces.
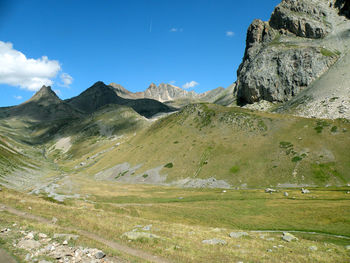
{"x":190,"y":84}
{"x":230,"y":34}
{"x":174,"y":29}
{"x":172,"y":82}
{"x":28,"y":73}
{"x":18,"y":97}
{"x":66,"y":80}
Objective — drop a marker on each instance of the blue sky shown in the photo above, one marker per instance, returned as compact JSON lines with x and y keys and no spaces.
{"x":130,"y":42}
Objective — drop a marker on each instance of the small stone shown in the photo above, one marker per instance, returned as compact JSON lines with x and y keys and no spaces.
{"x":288,"y":237}
{"x":224,"y":191}
{"x":238,"y":234}
{"x":29,"y":207}
{"x":65,"y":243}
{"x":305,"y":191}
{"x":99,"y":254}
{"x":269,"y":250}
{"x":270,"y":239}
{"x":214,"y":241}
{"x":270,"y":190}
{"x":54,"y":220}
{"x":42,"y":235}
{"x":285,"y":194}
{"x":28,"y":257}
{"x":30,"y":236}
{"x":181,"y":198}
{"x":147,"y":228}
{"x":313,"y":248}
{"x":137,"y":235}
{"x":347,"y":247}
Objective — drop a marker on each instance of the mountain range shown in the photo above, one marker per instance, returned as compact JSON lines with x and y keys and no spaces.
{"x":294,"y":65}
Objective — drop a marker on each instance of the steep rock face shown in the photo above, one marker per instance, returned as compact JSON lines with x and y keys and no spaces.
{"x":167,"y":92}
{"x":285,"y":55}
{"x":124,"y":93}
{"x":304,"y":18}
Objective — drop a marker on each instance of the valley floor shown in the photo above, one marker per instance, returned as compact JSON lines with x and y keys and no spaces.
{"x":138,"y":223}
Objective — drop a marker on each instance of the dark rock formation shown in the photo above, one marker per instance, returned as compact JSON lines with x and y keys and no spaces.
{"x":99,"y":95}
{"x":285,"y":55}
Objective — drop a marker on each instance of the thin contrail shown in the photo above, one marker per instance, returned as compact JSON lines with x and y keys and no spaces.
{"x":150,"y":27}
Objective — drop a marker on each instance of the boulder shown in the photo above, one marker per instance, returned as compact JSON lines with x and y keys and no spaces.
{"x":270,"y":190}
{"x":214,"y":241}
{"x":28,"y":244}
{"x":238,"y":234}
{"x":289,"y":237}
{"x":305,"y":191}
{"x":313,"y":248}
{"x":99,"y":254}
{"x":138,"y":235}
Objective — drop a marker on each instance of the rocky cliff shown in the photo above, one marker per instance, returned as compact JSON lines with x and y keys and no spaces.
{"x":302,"y":40}
{"x":166,"y":92}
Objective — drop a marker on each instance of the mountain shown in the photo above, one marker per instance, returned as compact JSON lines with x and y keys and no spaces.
{"x":100,"y":95}
{"x":300,"y":43}
{"x":177,"y":97}
{"x":167,"y":92}
{"x":163,"y":92}
{"x":124,"y":93}
{"x":45,"y":105}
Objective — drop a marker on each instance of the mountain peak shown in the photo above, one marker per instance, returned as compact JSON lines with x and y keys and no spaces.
{"x":45,"y":93}
{"x":152,"y":86}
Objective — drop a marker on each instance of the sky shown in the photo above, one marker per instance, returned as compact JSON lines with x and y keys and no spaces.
{"x":71,"y":44}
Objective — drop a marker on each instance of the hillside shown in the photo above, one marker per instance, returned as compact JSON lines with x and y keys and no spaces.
{"x":230,"y":147}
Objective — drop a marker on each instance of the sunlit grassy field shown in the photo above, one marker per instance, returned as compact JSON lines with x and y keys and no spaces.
{"x":184,"y":218}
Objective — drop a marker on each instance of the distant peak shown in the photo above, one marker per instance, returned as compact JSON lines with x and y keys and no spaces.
{"x":99,"y":83}
{"x":45,"y":93}
{"x":152,"y":85}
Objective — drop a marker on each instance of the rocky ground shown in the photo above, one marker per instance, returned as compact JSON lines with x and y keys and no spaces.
{"x":44,"y":248}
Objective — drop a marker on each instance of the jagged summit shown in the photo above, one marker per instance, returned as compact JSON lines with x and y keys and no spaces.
{"x":100,"y":95}
{"x":45,"y":95}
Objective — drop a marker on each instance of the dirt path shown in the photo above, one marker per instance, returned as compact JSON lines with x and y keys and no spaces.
{"x":5,"y":257}
{"x":112,"y":244}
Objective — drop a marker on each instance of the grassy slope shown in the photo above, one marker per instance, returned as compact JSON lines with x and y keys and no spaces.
{"x":182,"y":224}
{"x":239,"y":146}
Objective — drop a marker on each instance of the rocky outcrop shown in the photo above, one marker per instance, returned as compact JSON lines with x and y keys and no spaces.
{"x":302,"y":40}
{"x":167,"y":92}
{"x":303,"y":18}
